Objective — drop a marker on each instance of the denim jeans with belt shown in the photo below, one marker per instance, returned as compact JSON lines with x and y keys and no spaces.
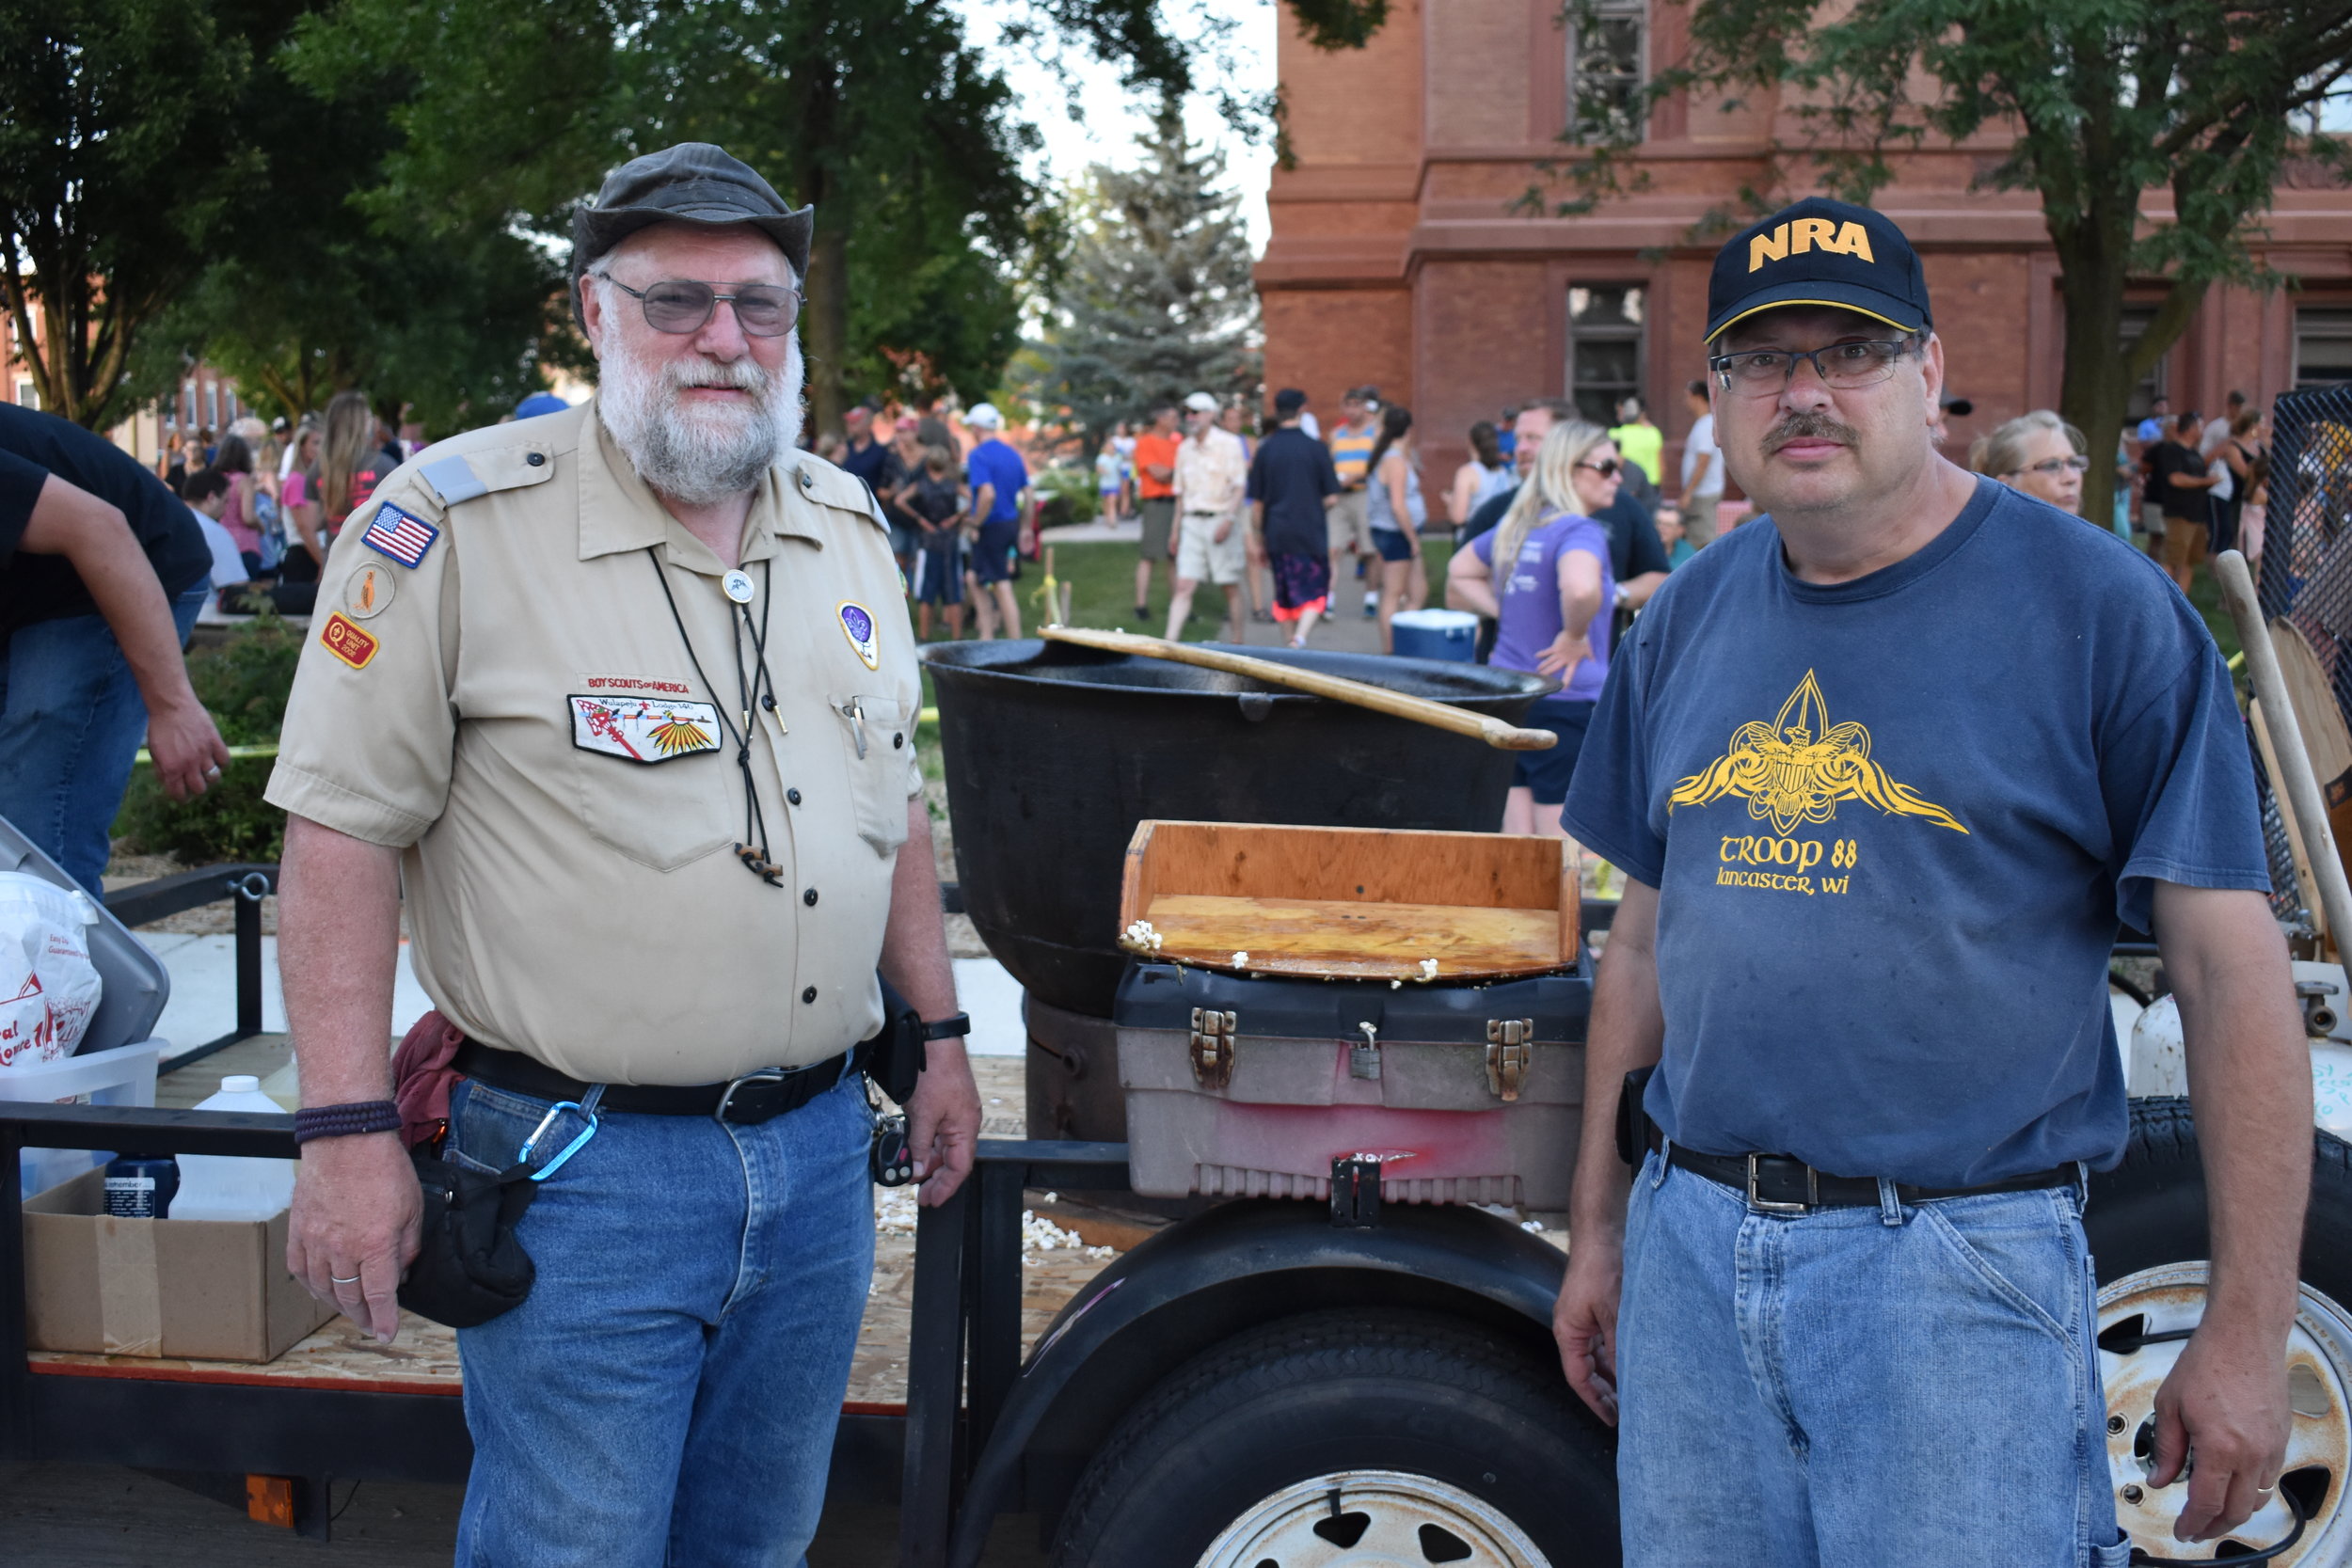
{"x":667,"y":1394}
{"x":1911,"y":1385}
{"x":70,"y":720}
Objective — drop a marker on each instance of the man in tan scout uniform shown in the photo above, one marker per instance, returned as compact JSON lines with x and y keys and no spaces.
{"x":623,"y":699}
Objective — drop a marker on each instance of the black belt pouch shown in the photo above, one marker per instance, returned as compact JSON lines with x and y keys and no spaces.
{"x":898,"y":1052}
{"x":1633,"y":1123}
{"x":470,"y":1267}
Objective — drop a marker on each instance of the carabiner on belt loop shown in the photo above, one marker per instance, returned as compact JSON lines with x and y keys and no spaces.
{"x":587,"y":1108}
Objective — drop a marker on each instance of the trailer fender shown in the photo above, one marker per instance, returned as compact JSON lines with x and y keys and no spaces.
{"x":1236,"y":1266}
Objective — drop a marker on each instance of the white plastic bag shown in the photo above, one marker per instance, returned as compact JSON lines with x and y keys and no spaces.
{"x":49,"y":988}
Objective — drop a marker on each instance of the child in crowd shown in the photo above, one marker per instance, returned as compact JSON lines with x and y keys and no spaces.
{"x":939,"y":503}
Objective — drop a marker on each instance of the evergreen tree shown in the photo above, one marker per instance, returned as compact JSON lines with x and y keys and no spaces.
{"x":1157,"y":299}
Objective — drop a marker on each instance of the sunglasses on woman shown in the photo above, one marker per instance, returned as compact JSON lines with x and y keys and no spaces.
{"x":680,"y":305}
{"x":1606,"y":468}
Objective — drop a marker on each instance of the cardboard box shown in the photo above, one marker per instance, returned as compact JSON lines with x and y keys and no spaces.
{"x":204,"y":1289}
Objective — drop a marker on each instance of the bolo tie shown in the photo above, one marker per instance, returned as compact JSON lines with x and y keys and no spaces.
{"x":755,"y":686}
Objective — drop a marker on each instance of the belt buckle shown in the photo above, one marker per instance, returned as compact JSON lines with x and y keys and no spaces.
{"x":765,"y":1075}
{"x":1812,"y":1193}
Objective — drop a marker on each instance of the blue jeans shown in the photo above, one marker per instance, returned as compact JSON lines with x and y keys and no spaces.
{"x":668,"y":1391}
{"x":70,"y":722}
{"x":1860,"y":1387}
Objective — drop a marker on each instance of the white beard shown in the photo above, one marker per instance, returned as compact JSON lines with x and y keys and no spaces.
{"x":704,"y":455}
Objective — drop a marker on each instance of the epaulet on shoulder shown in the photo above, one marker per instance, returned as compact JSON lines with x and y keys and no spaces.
{"x":496,"y":457}
{"x":828,"y":485}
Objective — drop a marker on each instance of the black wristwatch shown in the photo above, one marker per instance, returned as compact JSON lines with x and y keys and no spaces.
{"x":948,"y":1027}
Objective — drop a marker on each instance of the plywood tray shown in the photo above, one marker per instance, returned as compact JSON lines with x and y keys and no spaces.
{"x":1349,"y":903}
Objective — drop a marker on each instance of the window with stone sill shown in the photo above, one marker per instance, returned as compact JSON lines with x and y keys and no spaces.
{"x":1608,"y":64}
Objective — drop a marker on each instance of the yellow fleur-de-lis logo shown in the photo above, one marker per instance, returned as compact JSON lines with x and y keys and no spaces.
{"x":1798,"y":767}
{"x":675,"y":735}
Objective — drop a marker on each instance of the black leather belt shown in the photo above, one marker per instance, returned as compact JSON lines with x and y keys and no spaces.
{"x":755,"y":1097}
{"x":1779,"y":1184}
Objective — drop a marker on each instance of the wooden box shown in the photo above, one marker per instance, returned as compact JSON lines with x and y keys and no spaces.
{"x":1349,"y":903}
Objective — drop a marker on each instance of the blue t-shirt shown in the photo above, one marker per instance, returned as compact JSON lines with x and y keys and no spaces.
{"x":1530,"y":600}
{"x":1893,"y":823}
{"x":994,"y":462}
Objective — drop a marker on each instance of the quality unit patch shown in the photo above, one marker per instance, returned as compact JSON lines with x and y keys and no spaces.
{"x":369,"y":590}
{"x":400,"y":535}
{"x":643,"y":729}
{"x":345,"y":641}
{"x":857,"y":624}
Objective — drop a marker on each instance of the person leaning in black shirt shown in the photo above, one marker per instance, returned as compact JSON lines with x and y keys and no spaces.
{"x":103,"y":571}
{"x":2178,"y":472}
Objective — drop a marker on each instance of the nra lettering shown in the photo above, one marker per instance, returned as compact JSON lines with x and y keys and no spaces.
{"x":1795,"y":239}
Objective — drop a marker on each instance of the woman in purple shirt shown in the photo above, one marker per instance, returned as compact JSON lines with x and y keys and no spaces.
{"x":1552,"y":607}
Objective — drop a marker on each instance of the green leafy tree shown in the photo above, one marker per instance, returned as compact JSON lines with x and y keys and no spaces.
{"x":125,"y":136}
{"x":878,"y":111}
{"x":1158,"y":299}
{"x":2100,"y":103}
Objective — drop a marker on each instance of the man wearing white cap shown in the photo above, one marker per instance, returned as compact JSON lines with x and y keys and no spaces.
{"x":1212,"y":470}
{"x":1000,"y":499}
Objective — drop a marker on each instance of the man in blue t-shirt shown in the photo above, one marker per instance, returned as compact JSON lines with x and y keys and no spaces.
{"x":1000,"y":497}
{"x":1885,"y":771}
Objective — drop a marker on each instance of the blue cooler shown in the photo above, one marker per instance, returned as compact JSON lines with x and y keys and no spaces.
{"x":1449,"y":634}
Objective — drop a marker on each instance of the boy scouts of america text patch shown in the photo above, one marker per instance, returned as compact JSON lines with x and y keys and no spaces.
{"x":345,"y":641}
{"x":400,"y":535}
{"x":857,"y":624}
{"x":643,"y":729}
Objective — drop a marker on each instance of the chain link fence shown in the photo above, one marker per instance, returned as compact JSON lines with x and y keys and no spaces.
{"x":2306,"y":569}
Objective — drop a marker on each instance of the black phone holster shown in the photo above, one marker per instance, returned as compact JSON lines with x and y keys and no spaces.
{"x":469,"y":1267}
{"x":1633,"y":1124}
{"x":898,"y":1055}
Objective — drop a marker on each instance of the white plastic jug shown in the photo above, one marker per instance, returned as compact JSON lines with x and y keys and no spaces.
{"x":231,"y":1187}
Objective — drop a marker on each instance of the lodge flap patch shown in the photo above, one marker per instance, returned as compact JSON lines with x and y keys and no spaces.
{"x":643,"y":729}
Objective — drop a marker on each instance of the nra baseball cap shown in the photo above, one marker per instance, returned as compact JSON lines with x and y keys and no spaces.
{"x":1819,"y":252}
{"x":692,"y":183}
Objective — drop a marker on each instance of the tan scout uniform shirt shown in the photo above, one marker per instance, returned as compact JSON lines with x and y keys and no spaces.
{"x":517,"y":713}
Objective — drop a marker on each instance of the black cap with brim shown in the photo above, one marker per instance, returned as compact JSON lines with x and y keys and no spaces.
{"x":1828,"y":254}
{"x":692,"y":183}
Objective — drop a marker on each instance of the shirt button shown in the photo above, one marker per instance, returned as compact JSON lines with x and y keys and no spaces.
{"x":897,"y":740}
{"x":793,"y":796}
{"x":810,"y":897}
{"x":537,"y":459}
{"x":809,"y":995}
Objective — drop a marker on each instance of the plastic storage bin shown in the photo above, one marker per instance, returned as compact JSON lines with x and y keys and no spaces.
{"x":1247,"y":1087}
{"x":1448,"y":634}
{"x":116,"y":1063}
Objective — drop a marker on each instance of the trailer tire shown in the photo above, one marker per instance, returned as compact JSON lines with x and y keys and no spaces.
{"x":2147,"y":1224}
{"x":1449,"y":1434}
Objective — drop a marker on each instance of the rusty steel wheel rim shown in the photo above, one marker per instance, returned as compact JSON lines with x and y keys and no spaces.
{"x":1372,"y":1519}
{"x":2172,"y":1298}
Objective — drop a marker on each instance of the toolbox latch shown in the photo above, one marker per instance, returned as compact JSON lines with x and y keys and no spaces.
{"x":1510,"y":1049}
{"x":1354,"y":1192}
{"x":1213,"y":1047}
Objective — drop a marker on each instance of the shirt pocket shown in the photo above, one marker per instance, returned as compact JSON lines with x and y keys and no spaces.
{"x":876,"y":732}
{"x":660,"y":813}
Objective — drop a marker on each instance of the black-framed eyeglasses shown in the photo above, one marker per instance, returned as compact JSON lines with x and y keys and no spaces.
{"x":2052,"y":466}
{"x":681,"y":305}
{"x":1767,"y":371}
{"x":1606,"y":468}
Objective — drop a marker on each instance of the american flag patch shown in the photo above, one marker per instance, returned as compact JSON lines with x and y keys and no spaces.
{"x":399,"y":535}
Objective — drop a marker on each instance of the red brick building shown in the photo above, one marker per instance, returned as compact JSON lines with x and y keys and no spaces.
{"x":1395,"y":258}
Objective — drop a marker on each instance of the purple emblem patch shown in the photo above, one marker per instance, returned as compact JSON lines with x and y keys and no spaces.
{"x":859,"y":624}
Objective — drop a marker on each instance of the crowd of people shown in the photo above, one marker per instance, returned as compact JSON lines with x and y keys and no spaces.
{"x":271,"y":499}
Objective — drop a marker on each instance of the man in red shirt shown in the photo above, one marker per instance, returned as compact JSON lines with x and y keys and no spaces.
{"x":1155,"y":484}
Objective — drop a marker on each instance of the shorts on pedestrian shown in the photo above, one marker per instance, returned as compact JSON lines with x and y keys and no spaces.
{"x":939,"y":573}
{"x":992,"y":552}
{"x":2184,"y":544}
{"x":1700,"y":519}
{"x":1348,"y":522}
{"x":1860,"y":1387}
{"x":904,"y":541}
{"x":2152,"y":519}
{"x":1159,"y":520}
{"x":1392,"y":544}
{"x":1546,"y":774}
{"x":1199,"y":558}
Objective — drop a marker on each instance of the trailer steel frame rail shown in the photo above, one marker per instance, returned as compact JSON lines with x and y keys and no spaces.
{"x":967,"y":1315}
